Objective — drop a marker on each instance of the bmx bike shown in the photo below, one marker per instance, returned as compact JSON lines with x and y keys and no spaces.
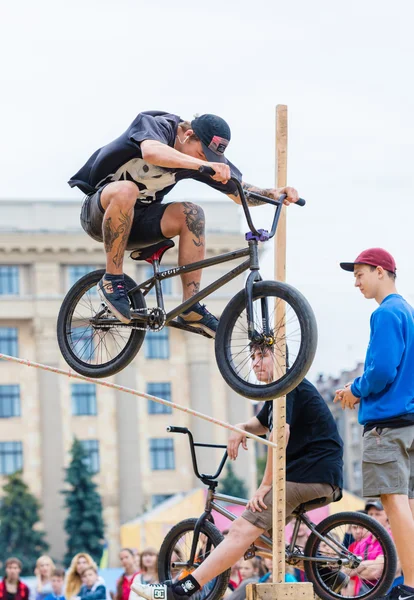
{"x":96,"y":344}
{"x":329,"y":557}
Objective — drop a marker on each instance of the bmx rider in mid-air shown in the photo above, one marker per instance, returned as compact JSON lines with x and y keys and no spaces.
{"x":125,"y":182}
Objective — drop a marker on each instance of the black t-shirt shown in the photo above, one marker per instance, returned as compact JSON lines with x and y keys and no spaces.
{"x":122,"y":160}
{"x":315,"y":449}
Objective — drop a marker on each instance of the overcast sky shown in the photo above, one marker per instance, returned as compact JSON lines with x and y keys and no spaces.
{"x":75,"y":73}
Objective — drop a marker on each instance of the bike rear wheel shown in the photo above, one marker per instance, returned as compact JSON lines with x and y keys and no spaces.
{"x":174,"y":557}
{"x":328,"y":576}
{"x":96,"y":349}
{"x":233,"y":345}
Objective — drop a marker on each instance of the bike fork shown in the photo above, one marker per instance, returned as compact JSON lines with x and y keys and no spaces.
{"x":251,"y":280}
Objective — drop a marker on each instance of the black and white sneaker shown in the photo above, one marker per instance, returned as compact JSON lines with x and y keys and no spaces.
{"x":400,"y":592}
{"x":114,"y":294}
{"x":153,"y":591}
{"x":180,"y":590}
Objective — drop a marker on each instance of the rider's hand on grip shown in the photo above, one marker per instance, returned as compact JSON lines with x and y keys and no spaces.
{"x":217,"y":171}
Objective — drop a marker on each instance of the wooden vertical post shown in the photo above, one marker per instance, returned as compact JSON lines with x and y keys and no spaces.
{"x":279,"y":590}
{"x":279,"y":404}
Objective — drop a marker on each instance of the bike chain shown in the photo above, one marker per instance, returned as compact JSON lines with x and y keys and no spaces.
{"x":147,"y":328}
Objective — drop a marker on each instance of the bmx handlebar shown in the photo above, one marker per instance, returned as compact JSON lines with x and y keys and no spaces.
{"x":193,"y":445}
{"x":245,"y":196}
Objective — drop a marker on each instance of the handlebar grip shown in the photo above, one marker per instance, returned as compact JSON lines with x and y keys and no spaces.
{"x":172,"y":429}
{"x":207,"y":171}
{"x":300,"y":202}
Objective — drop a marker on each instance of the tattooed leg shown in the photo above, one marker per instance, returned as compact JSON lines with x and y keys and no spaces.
{"x":186,"y":220}
{"x":118,"y":201}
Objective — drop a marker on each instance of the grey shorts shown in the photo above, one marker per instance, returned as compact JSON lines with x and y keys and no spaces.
{"x":296,"y":494}
{"x":146,"y":225}
{"x":388,"y":462}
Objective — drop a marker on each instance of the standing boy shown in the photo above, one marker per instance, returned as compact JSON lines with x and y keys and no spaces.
{"x":385,"y":393}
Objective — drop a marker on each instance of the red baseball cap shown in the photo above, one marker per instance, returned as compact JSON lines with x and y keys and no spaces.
{"x":376,"y":257}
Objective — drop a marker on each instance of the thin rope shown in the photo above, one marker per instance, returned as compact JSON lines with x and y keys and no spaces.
{"x":121,"y":388}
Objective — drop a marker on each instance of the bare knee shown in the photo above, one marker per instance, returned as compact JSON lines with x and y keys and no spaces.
{"x":121,"y":194}
{"x":245,"y":531}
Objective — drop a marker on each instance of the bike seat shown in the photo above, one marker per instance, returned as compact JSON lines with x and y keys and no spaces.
{"x":154,"y":252}
{"x":316,"y":503}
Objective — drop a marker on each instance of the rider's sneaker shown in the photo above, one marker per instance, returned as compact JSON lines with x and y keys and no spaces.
{"x":180,"y":590}
{"x":198,"y":316}
{"x":399,"y":592}
{"x":114,"y":294}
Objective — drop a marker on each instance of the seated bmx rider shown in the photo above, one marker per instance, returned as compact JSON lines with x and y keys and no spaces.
{"x":125,"y":183}
{"x":313,"y":470}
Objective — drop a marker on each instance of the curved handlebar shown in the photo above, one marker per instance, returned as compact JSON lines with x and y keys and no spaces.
{"x":172,"y":429}
{"x":244,"y":197}
{"x":208,"y":479}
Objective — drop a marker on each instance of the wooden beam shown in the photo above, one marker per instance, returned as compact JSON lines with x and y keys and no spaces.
{"x":280,"y":591}
{"x":279,"y":404}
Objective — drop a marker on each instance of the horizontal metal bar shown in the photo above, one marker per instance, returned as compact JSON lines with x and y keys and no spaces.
{"x":210,"y":445}
{"x":202,"y":264}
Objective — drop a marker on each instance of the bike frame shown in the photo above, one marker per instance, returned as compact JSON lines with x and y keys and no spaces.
{"x":253,"y":237}
{"x":212,"y":504}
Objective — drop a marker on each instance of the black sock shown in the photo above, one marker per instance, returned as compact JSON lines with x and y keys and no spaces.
{"x":186,"y":587}
{"x":110,"y":277}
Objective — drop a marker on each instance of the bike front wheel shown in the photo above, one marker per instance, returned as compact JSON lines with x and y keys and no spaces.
{"x":349,"y":539}
{"x":258,"y":378}
{"x":174,"y":557}
{"x":92,"y":341}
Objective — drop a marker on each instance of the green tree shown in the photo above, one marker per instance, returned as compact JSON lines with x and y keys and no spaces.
{"x":84,"y":523}
{"x":19,"y":515}
{"x":232,"y":485}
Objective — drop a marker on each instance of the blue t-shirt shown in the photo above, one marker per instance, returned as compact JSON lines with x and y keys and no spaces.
{"x":122,"y":160}
{"x":386,"y":387}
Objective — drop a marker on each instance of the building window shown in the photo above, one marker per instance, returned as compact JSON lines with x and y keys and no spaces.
{"x":157,"y":344}
{"x":9,"y":280}
{"x":162,"y":390}
{"x":83,"y":344}
{"x":83,"y":399}
{"x":75,"y":272}
{"x":166,"y":284}
{"x":9,"y":401}
{"x":8,"y":341}
{"x":355,"y":433}
{"x":162,"y":454}
{"x":11,"y":457}
{"x":158,"y":498}
{"x":91,"y":461}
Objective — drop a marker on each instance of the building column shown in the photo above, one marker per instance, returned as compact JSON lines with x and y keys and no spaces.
{"x":51,"y":429}
{"x":129,"y":462}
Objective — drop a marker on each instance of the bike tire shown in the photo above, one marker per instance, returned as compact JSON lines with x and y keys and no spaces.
{"x":309,"y":339}
{"x":217,"y":591}
{"x":67,"y":309}
{"x":346,"y":519}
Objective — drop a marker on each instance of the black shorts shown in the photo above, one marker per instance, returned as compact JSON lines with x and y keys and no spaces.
{"x":146,"y":225}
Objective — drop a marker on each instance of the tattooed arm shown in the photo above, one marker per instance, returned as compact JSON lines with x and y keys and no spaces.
{"x":292,"y":194}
